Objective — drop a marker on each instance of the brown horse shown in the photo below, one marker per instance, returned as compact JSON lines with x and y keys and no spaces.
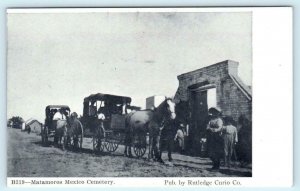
{"x":75,"y":131}
{"x":148,"y":121}
{"x":69,"y":130}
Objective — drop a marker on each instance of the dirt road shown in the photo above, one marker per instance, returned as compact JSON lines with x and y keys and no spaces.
{"x":27,"y":158}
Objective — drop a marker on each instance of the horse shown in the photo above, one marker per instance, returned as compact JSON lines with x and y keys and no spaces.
{"x":68,"y":129}
{"x":61,"y":132}
{"x":75,"y":131}
{"x":148,"y":121}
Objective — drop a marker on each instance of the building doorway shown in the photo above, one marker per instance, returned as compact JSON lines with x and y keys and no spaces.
{"x":201,"y":99}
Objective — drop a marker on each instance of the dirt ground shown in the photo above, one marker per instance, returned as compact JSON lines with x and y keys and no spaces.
{"x":26,"y":157}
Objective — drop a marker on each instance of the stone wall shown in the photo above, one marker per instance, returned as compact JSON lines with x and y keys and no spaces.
{"x":233,"y":96}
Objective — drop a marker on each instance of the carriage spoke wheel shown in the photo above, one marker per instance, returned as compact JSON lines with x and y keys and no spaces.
{"x":139,"y":146}
{"x":111,"y":145}
{"x":113,"y":141}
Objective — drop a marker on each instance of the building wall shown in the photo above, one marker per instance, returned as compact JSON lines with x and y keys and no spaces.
{"x":35,"y":127}
{"x":232,"y":100}
{"x":233,"y":97}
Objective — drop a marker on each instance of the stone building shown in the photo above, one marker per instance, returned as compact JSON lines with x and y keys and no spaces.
{"x":217,"y":85}
{"x":34,"y":125}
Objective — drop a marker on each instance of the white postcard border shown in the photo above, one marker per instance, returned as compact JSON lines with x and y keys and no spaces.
{"x":272,"y":101}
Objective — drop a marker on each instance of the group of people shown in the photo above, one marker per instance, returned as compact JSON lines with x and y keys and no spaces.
{"x":223,"y":139}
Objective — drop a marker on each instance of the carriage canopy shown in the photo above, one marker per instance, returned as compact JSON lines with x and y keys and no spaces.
{"x":49,"y":108}
{"x":107,"y":97}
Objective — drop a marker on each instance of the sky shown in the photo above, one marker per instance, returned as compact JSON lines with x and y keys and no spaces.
{"x":60,"y":58}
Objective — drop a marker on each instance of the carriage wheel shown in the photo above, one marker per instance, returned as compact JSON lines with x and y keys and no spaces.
{"x":113,"y":141}
{"x":139,"y":146}
{"x":111,"y":146}
{"x":45,"y":136}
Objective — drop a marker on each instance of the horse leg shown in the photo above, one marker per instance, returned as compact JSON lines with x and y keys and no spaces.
{"x":158,"y":152}
{"x":64,"y":142}
{"x":81,"y":141}
{"x":150,"y":153}
{"x":130,"y":144}
{"x":64,"y":137}
{"x":126,"y":144}
{"x":170,"y":149}
{"x":125,"y":150}
{"x":55,"y":140}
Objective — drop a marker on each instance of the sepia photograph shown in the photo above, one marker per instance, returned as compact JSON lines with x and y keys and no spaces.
{"x":129,"y":93}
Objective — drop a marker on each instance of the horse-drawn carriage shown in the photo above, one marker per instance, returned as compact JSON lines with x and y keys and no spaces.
{"x":65,"y":127}
{"x":109,"y":120}
{"x":104,"y":120}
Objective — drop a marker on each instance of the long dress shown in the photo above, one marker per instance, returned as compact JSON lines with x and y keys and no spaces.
{"x":215,"y":141}
{"x":229,"y":133}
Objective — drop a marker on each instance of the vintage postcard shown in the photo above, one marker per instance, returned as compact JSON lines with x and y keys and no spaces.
{"x":147,"y":97}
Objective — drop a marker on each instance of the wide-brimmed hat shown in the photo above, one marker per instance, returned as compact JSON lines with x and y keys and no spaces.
{"x":214,"y":111}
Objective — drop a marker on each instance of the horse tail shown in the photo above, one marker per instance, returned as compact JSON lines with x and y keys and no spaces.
{"x":64,"y":135}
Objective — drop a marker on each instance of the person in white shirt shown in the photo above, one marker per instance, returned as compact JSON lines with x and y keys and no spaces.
{"x":101,"y":118}
{"x":180,"y":134}
{"x":59,"y":115}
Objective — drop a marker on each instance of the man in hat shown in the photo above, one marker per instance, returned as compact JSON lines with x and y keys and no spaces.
{"x":214,"y":139}
{"x":180,"y":135}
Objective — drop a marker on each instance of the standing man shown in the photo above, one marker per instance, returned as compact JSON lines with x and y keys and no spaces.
{"x":230,"y":136}
{"x":168,"y":133}
{"x":180,"y":137}
{"x":214,"y":139}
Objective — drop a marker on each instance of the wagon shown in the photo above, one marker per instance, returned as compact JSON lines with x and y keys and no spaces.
{"x":104,"y":120}
{"x":49,"y":128}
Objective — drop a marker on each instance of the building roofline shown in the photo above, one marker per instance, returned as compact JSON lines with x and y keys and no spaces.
{"x":32,"y":121}
{"x":201,"y":69}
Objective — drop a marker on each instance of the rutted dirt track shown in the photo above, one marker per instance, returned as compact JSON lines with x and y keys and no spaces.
{"x":26,"y":157}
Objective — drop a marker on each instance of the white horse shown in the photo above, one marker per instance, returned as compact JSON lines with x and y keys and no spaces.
{"x":148,"y":121}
